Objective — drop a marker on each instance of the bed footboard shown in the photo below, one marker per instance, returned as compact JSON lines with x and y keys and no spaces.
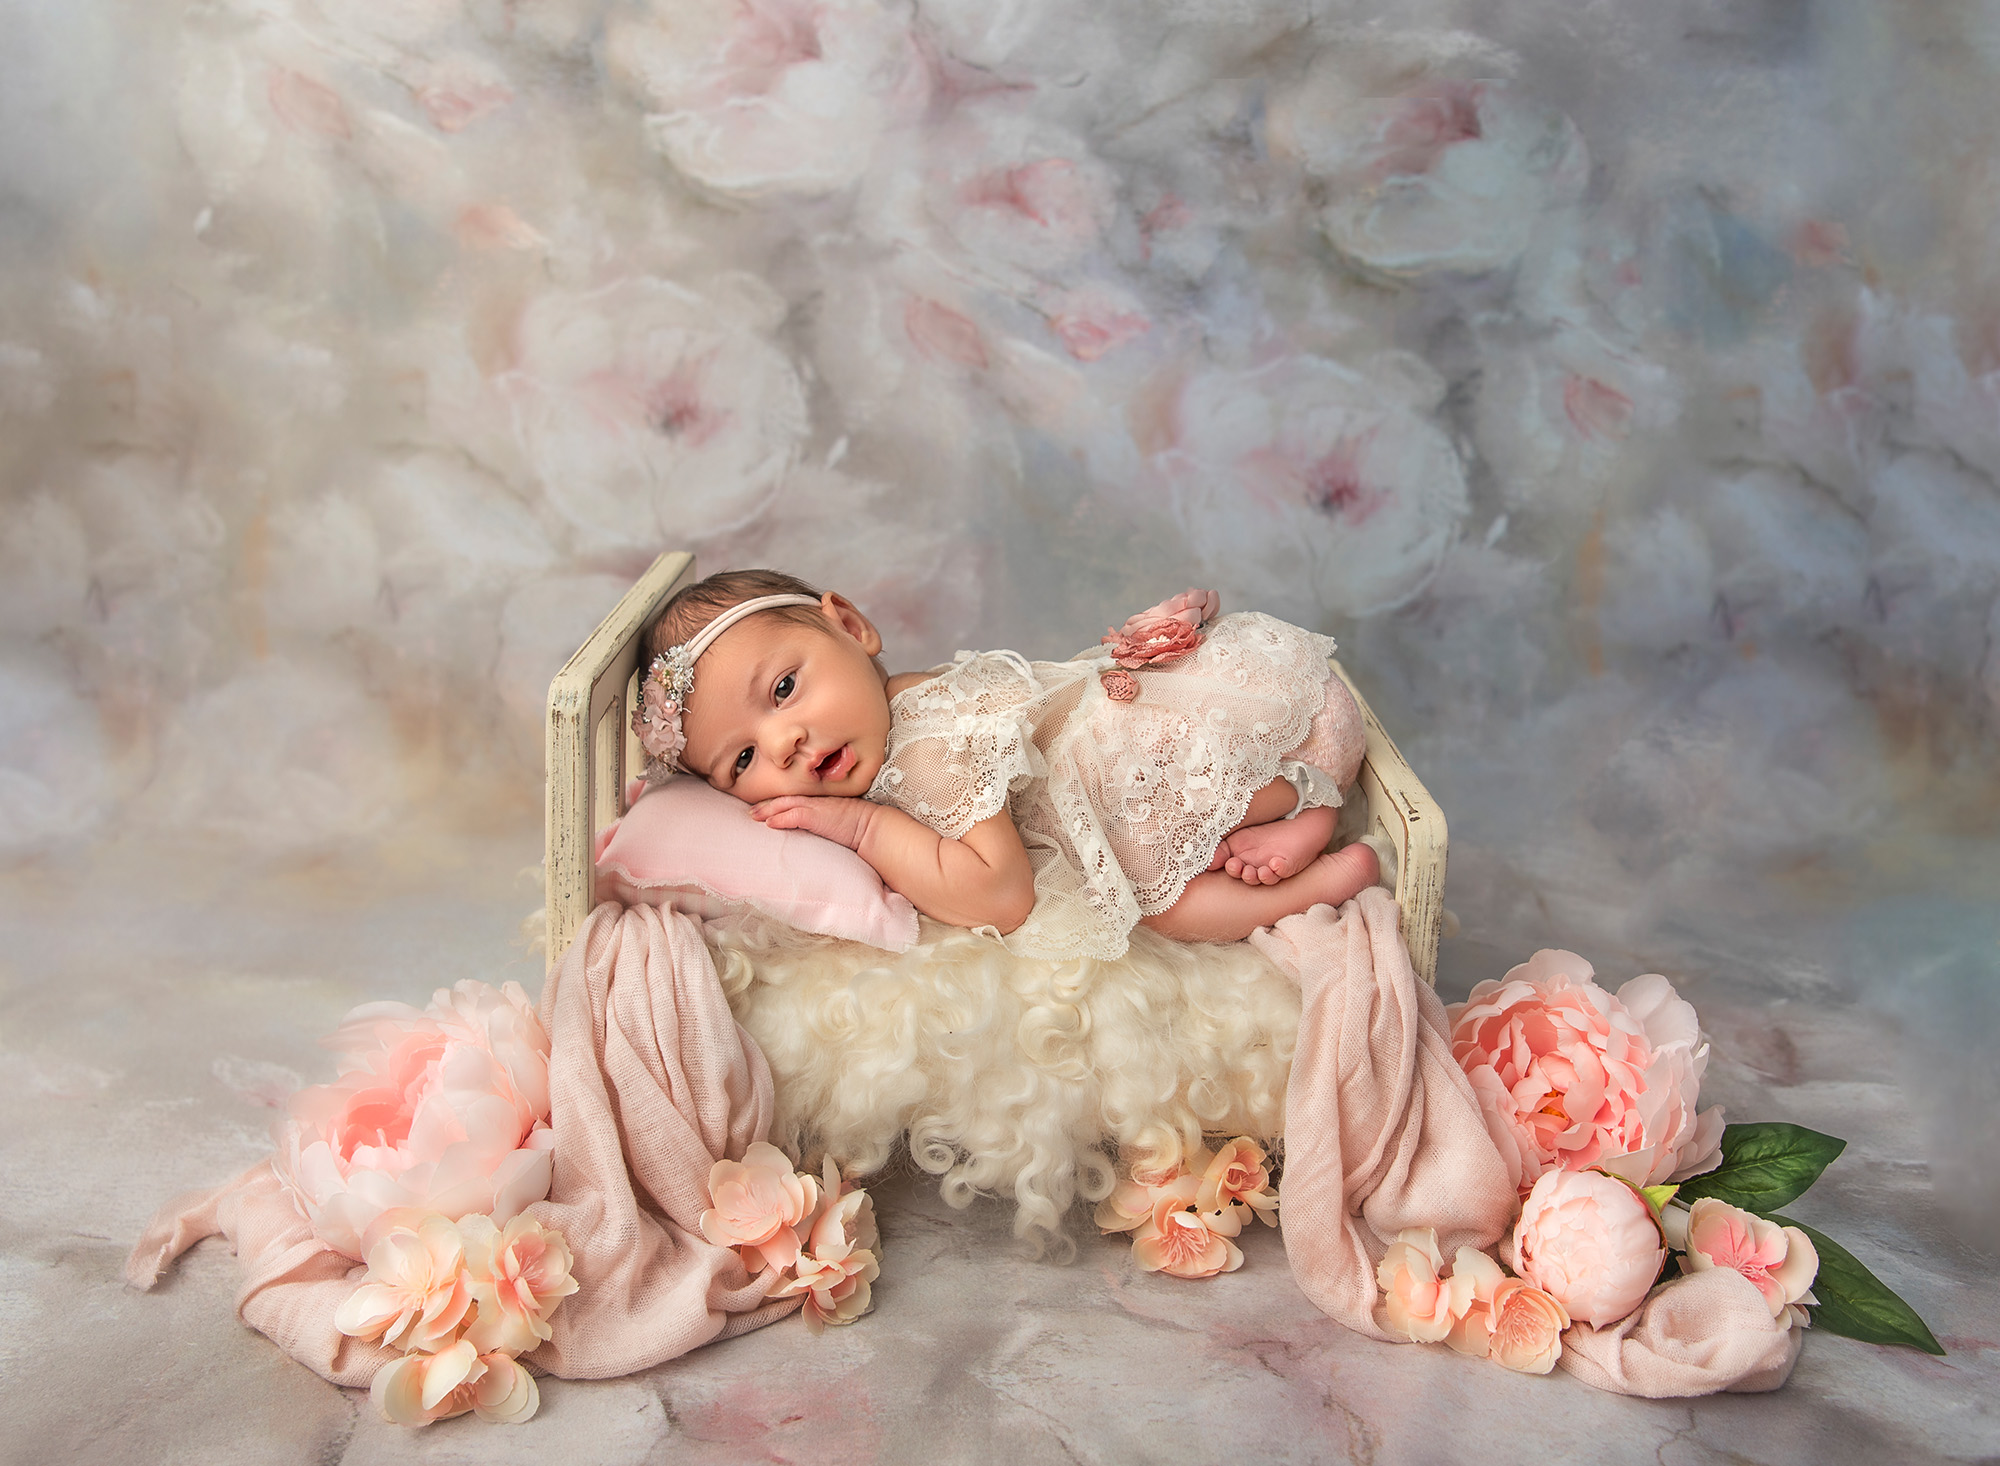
{"x":591,"y":753}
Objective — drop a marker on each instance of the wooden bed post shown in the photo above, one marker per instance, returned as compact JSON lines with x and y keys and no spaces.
{"x":590,"y":750}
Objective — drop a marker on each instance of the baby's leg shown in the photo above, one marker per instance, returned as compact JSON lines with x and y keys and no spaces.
{"x":1217,"y":907}
{"x":1263,"y":855}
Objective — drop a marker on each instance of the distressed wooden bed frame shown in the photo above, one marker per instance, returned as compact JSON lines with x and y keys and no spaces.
{"x":591,"y":750}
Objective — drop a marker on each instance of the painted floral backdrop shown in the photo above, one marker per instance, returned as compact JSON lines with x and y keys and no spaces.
{"x":1620,"y":383}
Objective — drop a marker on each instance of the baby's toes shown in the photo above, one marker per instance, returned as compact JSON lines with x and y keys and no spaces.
{"x":1234,"y":866}
{"x":1280,"y":868}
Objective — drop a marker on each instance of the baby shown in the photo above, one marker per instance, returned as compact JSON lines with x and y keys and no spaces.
{"x":1184,"y":774}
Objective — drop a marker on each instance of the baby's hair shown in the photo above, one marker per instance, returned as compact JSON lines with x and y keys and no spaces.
{"x":694,"y":606}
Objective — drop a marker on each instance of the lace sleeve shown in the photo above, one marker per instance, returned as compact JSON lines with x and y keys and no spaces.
{"x":961,"y":743}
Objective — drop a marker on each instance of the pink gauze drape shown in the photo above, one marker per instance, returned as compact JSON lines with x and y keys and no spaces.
{"x":651,"y":1081}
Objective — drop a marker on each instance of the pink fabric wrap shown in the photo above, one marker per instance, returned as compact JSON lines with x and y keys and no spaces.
{"x":1382,"y":1132}
{"x":647,"y":1067}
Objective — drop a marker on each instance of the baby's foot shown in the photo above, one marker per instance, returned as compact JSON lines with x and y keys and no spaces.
{"x":1263,"y":855}
{"x":1340,"y":875}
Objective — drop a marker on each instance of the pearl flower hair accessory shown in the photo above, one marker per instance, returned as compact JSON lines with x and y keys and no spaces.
{"x":656,"y":722}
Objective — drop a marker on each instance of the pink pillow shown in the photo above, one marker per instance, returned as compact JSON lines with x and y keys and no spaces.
{"x":699,"y":851}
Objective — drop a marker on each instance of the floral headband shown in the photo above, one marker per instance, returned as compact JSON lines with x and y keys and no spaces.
{"x":656,"y":722}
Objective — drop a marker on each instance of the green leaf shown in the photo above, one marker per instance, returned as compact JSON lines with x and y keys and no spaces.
{"x":1658,"y":1196}
{"x":1764,"y":1166}
{"x":1856,"y":1304}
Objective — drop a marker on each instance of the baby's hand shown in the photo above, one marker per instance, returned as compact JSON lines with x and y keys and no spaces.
{"x":844,"y":819}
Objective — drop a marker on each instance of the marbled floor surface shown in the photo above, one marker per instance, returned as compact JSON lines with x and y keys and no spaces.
{"x":157,"y":1003}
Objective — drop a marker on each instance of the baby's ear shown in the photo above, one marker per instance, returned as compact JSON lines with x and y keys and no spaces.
{"x":843,"y":613}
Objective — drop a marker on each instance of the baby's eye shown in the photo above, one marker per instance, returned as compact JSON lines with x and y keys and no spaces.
{"x":784,"y":688}
{"x":743,"y":760}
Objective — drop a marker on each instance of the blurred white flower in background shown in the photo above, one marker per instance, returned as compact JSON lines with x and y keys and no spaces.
{"x":1312,"y":481}
{"x":764,"y":99}
{"x":649,"y":412}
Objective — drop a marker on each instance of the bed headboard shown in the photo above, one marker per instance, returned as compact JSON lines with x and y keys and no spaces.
{"x":591,"y":752}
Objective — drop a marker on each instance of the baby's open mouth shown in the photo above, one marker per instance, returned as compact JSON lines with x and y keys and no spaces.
{"x":836,"y":765}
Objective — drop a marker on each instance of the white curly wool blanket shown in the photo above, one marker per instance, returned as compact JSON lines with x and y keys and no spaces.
{"x":651,"y":1081}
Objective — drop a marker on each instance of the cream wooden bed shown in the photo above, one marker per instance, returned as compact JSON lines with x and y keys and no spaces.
{"x":591,"y":751}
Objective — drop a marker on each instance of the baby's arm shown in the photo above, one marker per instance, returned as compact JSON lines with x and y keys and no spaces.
{"x":980,"y":879}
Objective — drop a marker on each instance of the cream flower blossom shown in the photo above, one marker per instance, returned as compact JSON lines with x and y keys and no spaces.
{"x":1781,"y":1261}
{"x":421,"y":1388}
{"x":416,"y":1295}
{"x":442,"y":1110}
{"x":1181,"y":1239}
{"x":1240,"y":1175}
{"x":1416,"y":1301}
{"x":1527,"y":1325}
{"x":518,"y":1276}
{"x":759,"y":1203}
{"x":1590,"y":1241}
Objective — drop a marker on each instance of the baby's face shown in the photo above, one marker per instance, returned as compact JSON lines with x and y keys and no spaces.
{"x":780,"y":708}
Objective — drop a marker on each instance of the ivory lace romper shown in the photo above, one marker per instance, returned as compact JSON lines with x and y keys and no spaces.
{"x":1120,"y":804}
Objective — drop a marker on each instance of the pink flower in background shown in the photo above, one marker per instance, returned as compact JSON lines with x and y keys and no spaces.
{"x":645,"y":409}
{"x":421,"y":1388}
{"x":758,"y":1202}
{"x":1145,"y":640}
{"x":1590,"y":1242}
{"x":460,"y":90}
{"x":442,"y":1110}
{"x":1093,"y":321}
{"x":943,"y":336}
{"x":1596,"y":409}
{"x":518,"y":1276}
{"x":1416,"y":1300}
{"x":765,"y":99}
{"x":1309,"y":474}
{"x":1781,"y":1261}
{"x":1421,"y":124}
{"x":1570,"y":1076}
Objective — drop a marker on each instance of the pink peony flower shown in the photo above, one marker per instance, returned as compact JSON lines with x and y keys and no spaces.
{"x":1569,"y":1076}
{"x":442,"y":1110}
{"x":518,"y":1277}
{"x":1527,"y":1326}
{"x":420,"y":1388}
{"x":1416,"y":1302}
{"x":1181,"y":1239}
{"x":415,"y":1296}
{"x":759,"y":1202}
{"x":1590,"y":1241}
{"x":1149,"y":639}
{"x":1239,"y":1176}
{"x":1119,"y":685}
{"x":1781,"y":1261}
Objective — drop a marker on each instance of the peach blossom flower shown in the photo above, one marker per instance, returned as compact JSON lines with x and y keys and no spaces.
{"x":420,"y":1388}
{"x":1781,"y":1261}
{"x":1119,"y":685}
{"x":1526,"y":1325}
{"x":1475,"y":1279}
{"x":1590,"y":1241}
{"x":1129,"y":1204}
{"x":1181,"y":1239}
{"x":1416,"y":1302}
{"x":1239,"y":1176}
{"x":759,"y":1201}
{"x":835,"y":1287}
{"x":518,"y":1277}
{"x":1570,"y":1076}
{"x":415,"y":1296}
{"x":1145,"y":640}
{"x":441,"y":1110}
